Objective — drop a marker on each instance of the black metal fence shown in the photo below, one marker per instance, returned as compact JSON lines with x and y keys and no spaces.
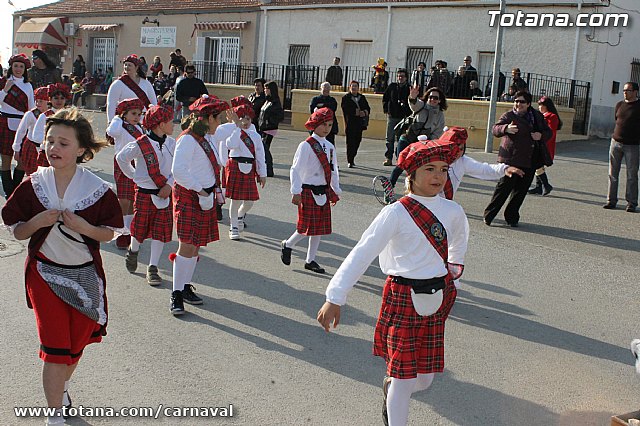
{"x":564,"y":92}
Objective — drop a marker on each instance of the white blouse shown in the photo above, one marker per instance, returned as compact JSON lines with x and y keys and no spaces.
{"x":306,"y":168}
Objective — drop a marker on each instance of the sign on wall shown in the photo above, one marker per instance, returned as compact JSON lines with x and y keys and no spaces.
{"x":158,"y":36}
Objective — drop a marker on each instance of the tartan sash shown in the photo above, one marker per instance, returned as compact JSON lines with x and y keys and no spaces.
{"x":131,"y":129}
{"x":151,"y":160}
{"x":448,"y":188}
{"x":208,"y":150}
{"x":434,"y":230}
{"x":128,"y":81}
{"x":36,"y":112}
{"x":16,"y":97}
{"x":326,"y":166}
{"x":248,"y":142}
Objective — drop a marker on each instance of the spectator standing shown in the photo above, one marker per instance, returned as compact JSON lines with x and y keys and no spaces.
{"x":420,"y":78}
{"x":356,"y":111}
{"x":474,"y":90}
{"x":441,"y":77}
{"x":189,"y":89}
{"x":271,"y":115}
{"x":396,"y":106}
{"x":548,"y":109}
{"x":334,"y":73}
{"x":325,"y":100}
{"x":182,"y":61}
{"x":156,"y":67}
{"x":502,"y":81}
{"x":79,"y":66}
{"x":144,"y":67}
{"x":89,"y":84}
{"x":174,"y":60}
{"x":519,"y":129}
{"x":517,"y":81}
{"x":44,"y":71}
{"x":460,"y":89}
{"x":257,"y":99}
{"x":161,"y":84}
{"x":469,"y":71}
{"x":108,"y":79}
{"x":625,"y":143}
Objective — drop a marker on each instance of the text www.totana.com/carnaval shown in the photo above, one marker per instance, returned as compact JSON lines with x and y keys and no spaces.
{"x":142,"y":412}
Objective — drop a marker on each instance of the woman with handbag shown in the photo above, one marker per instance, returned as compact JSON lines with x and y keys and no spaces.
{"x":356,"y":111}
{"x":427,"y":119}
{"x":271,"y":114}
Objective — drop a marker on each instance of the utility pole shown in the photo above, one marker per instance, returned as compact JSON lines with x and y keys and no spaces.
{"x":495,"y":82}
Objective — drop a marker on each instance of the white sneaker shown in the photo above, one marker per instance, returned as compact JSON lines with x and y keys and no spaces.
{"x":241,"y":224}
{"x":234,"y":234}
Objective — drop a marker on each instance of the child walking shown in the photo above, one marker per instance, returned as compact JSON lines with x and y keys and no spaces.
{"x":65,"y":211}
{"x":152,"y":215}
{"x":421,"y":241}
{"x":24,"y":148}
{"x":315,"y":187}
{"x":58,"y":96}
{"x":124,"y":129}
{"x":196,"y":170}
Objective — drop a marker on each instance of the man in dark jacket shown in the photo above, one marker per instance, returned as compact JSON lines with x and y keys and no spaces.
{"x":334,"y":73}
{"x":257,"y":99}
{"x":189,"y":89}
{"x":396,"y":106}
{"x":325,"y":100}
{"x":521,"y":129}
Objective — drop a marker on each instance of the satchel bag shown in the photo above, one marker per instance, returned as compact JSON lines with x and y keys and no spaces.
{"x":364,"y":122}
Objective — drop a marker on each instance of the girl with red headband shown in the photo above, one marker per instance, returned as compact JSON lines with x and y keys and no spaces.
{"x":421,"y":241}
{"x":25,"y":149}
{"x":16,"y":98}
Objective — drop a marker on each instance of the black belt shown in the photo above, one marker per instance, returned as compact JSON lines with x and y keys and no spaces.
{"x":422,"y":286}
{"x":49,"y":262}
{"x":244,"y":160}
{"x":210,"y":189}
{"x":8,"y":115}
{"x":148,"y":191}
{"x":316,"y":189}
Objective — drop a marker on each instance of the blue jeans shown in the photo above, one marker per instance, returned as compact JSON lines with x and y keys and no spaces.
{"x":631,"y":154}
{"x":403,"y":142}
{"x":391,"y":137}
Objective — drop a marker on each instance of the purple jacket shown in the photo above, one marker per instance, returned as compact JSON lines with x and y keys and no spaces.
{"x":517,"y":150}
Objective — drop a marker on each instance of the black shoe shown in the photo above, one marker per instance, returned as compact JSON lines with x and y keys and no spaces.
{"x":313,"y":266}
{"x":486,"y":221}
{"x":609,"y":206}
{"x":131,"y":260}
{"x":285,"y":253}
{"x":177,"y":304}
{"x":189,"y":296}
{"x":385,"y":390}
{"x":512,"y":224}
{"x":547,"y":189}
{"x":630,"y":208}
{"x":351,"y":165}
{"x":535,"y":190}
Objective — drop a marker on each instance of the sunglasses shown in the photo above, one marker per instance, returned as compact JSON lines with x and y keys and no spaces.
{"x":520,"y":101}
{"x":629,"y":90}
{"x":435,"y":98}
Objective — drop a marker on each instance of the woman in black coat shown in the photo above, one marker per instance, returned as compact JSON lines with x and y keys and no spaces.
{"x":271,"y":114}
{"x":355,"y":110}
{"x":79,"y":67}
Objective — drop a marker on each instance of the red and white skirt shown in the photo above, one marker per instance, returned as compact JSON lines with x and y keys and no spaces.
{"x":125,"y":188}
{"x":29,"y":156}
{"x":241,"y":186}
{"x":409,"y":343}
{"x":6,"y":137}
{"x":194,"y":226}
{"x":312,"y":218}
{"x":150,"y":221}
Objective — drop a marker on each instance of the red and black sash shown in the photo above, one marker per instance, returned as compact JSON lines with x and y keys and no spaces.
{"x":36,"y":112}
{"x":434,"y":230}
{"x":16,"y":98}
{"x":151,"y":160}
{"x":206,"y":147}
{"x":131,"y":129}
{"x":326,"y":166}
{"x":448,"y":188}
{"x":135,"y":88}
{"x":248,"y":142}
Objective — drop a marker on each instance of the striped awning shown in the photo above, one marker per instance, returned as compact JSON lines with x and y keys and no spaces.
{"x":221,"y":25}
{"x":98,"y":27}
{"x":36,"y":33}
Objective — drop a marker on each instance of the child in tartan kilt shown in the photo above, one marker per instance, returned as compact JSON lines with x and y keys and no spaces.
{"x":152,"y":214}
{"x":58,"y":96}
{"x":421,"y":241}
{"x":24,"y":148}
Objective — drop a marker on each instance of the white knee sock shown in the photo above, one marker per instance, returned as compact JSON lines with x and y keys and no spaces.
{"x":135,"y":245}
{"x":294,"y":239}
{"x":423,"y":382}
{"x":128,"y":218}
{"x":314,"y":243}
{"x":181,"y":269}
{"x":245,"y":207}
{"x":156,"y":252}
{"x":234,"y":205}
{"x":398,"y":399}
{"x":193,"y":262}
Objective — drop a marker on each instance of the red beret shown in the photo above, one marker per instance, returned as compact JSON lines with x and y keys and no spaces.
{"x":244,"y":111}
{"x":420,"y":153}
{"x":320,"y":116}
{"x":133,"y":59}
{"x":41,"y":93}
{"x":455,"y":138}
{"x":59,"y":88}
{"x":156,"y":115}
{"x":240,"y":100}
{"x":128,"y":104}
{"x":208,"y":105}
{"x":21,"y":57}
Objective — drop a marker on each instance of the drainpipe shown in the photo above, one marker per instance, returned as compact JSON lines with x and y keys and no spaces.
{"x":575,"y":46}
{"x":264,"y":36}
{"x":386,"y":49}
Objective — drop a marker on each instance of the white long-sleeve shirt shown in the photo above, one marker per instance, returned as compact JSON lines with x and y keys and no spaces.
{"x":119,"y":134}
{"x":238,"y":148}
{"x":191,"y":167}
{"x":27,"y":124}
{"x":8,"y":109}
{"x":466,"y":165}
{"x":40,"y":128}
{"x":401,"y":246}
{"x":140,"y":173}
{"x":118,"y":91}
{"x":306,"y":168}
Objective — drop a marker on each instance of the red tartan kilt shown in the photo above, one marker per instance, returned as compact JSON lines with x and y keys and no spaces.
{"x":241,"y":186}
{"x":29,"y":156}
{"x":312,"y":218}
{"x":409,"y":343}
{"x":6,"y":137}
{"x":149,"y":221}
{"x":225,"y":176}
{"x":42,"y":159}
{"x":125,"y":188}
{"x":194,"y":226}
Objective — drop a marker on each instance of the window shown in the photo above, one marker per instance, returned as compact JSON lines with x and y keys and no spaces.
{"x":299,"y":54}
{"x":418,"y":54}
{"x":357,"y":54}
{"x":635,"y":70}
{"x":104,"y":53}
{"x":485,"y":67}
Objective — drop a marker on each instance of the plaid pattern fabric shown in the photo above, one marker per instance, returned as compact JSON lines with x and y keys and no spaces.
{"x":312,"y":218}
{"x":326,"y":166}
{"x":194,"y":226}
{"x":149,"y":221}
{"x":135,"y":88}
{"x":151,"y":161}
{"x":429,"y":225}
{"x":448,"y":188}
{"x":241,"y":186}
{"x":42,"y":160}
{"x":409,"y":343}
{"x":16,"y":98}
{"x":6,"y":137}
{"x":125,"y":188}
{"x":29,"y":156}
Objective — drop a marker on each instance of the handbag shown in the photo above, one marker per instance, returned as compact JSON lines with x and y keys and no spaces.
{"x":364,"y":122}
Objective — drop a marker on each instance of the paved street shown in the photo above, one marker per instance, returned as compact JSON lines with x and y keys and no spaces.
{"x":539,"y":334}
